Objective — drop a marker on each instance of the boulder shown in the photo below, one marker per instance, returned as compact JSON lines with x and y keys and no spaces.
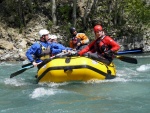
{"x":22,"y":44}
{"x":6,"y":45}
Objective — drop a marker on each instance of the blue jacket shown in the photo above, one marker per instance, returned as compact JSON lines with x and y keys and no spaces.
{"x":36,"y":50}
{"x":57,"y":48}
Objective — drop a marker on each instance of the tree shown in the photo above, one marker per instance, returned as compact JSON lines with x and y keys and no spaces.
{"x":74,"y":12}
{"x":54,"y":12}
{"x":87,"y":11}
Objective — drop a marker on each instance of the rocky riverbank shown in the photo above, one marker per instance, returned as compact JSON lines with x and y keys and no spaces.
{"x":13,"y":45}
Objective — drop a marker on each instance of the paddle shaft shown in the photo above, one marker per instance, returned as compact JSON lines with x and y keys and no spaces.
{"x":20,"y":71}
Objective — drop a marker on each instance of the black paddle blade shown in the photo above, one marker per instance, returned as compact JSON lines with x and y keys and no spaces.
{"x":20,"y":71}
{"x":127,"y":59}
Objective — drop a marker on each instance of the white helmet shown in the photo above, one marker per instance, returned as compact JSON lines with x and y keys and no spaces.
{"x":43,"y":32}
{"x":53,"y":37}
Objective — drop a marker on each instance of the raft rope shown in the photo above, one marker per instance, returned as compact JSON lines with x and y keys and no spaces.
{"x":108,"y":76}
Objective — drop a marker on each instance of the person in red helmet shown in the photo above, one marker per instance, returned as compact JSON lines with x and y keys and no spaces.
{"x":102,"y":48}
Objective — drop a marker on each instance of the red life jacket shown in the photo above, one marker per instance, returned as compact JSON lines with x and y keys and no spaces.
{"x":75,"y":40}
{"x":100,"y":46}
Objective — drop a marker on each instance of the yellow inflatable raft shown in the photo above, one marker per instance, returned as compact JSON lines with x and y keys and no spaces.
{"x":75,"y":69}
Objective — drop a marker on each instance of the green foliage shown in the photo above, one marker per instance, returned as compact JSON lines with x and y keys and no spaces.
{"x":65,"y":30}
{"x":138,"y":11}
{"x":126,"y":17}
{"x":16,"y":10}
{"x":118,"y":17}
{"x":64,"y":12}
{"x":49,"y":24}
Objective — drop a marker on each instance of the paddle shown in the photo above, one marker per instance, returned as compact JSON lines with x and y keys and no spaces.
{"x":20,"y":71}
{"x":122,"y":58}
{"x":29,"y":65}
{"x":127,"y":59}
{"x":58,"y":55}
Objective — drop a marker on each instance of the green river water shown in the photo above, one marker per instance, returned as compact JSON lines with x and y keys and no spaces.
{"x":129,"y":92}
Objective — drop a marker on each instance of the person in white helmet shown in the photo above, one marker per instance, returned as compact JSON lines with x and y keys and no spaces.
{"x":43,"y":49}
{"x":57,"y":47}
{"x":52,"y":38}
{"x":40,"y":50}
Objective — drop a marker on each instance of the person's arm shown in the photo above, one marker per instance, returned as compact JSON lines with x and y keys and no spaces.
{"x":57,"y":48}
{"x":87,"y":48}
{"x":68,"y":48}
{"x":32,"y":51}
{"x":55,"y":51}
{"x":115,"y":46}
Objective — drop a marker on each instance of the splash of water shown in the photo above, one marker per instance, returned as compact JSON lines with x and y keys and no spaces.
{"x":143,"y":68}
{"x":40,"y":92}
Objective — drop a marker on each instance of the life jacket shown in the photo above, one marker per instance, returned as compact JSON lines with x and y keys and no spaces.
{"x":83,"y":38}
{"x":45,"y":52}
{"x":101,"y":47}
{"x":75,"y":41}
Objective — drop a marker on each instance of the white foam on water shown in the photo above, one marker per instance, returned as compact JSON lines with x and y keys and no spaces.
{"x":6,"y":110}
{"x":123,"y":75}
{"x":53,"y":85}
{"x":117,"y":79}
{"x":42,"y":92}
{"x":143,"y":68}
{"x":127,"y":71}
{"x":6,"y":64}
{"x":15,"y":82}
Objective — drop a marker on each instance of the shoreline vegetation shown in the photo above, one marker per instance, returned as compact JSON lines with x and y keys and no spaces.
{"x":123,"y":21}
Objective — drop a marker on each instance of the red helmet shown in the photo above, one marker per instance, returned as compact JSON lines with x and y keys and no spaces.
{"x":98,"y":28}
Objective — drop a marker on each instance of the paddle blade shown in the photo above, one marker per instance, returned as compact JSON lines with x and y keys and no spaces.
{"x":127,"y":59}
{"x":20,"y":71}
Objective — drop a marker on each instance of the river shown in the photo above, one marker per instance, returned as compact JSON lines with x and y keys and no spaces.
{"x":129,"y":92}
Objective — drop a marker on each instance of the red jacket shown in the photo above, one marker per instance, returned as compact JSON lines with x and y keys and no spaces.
{"x":97,"y":46}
